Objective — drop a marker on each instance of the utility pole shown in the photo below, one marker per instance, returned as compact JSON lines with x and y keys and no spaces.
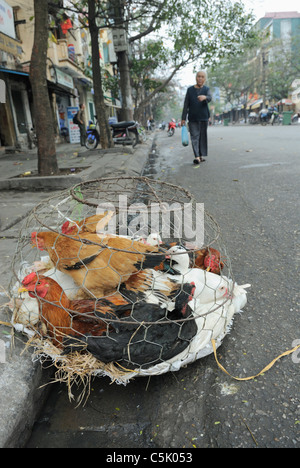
{"x":264,"y":76}
{"x":121,"y":47}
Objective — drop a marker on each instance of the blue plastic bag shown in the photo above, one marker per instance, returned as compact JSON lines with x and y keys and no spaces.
{"x":184,"y":136}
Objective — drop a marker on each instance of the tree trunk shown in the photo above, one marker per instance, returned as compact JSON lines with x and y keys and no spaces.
{"x":47,"y":162}
{"x":125,"y":86}
{"x":101,"y":111}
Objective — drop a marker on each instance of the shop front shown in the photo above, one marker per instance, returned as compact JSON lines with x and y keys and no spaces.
{"x":15,"y":113}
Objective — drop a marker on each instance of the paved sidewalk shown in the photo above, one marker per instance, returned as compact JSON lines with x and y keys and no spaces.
{"x":21,"y":395}
{"x":18,"y":171}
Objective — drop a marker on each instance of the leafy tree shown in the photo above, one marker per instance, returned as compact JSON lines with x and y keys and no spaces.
{"x":266,"y":67}
{"x":283,"y":67}
{"x":200,"y":32}
{"x":236,"y":76}
{"x":197,"y":31}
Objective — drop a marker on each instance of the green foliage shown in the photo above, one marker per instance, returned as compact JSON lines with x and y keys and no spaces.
{"x":110,"y":83}
{"x":194,"y":30}
{"x":147,"y":63}
{"x":246,"y":72}
{"x":182,"y":32}
{"x":236,"y":75}
{"x":283,"y":67}
{"x":205,"y":31}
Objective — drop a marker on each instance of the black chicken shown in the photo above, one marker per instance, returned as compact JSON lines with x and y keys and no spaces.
{"x":136,"y":343}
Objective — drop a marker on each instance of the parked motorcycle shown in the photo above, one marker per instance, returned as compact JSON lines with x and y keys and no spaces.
{"x":253,"y":118}
{"x":278,"y":118}
{"x":171,"y":128}
{"x":125,"y":133}
{"x":270,"y":115}
{"x":296,"y":118}
{"x":92,"y":136}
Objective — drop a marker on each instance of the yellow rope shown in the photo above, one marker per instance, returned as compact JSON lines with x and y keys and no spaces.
{"x":6,"y":324}
{"x":125,"y":369}
{"x":286,"y":353}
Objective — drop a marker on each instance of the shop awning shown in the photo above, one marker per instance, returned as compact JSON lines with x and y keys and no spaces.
{"x":15,"y":72}
{"x":58,"y":89}
{"x":287,"y":102}
{"x":86,"y":81}
{"x":254,"y":104}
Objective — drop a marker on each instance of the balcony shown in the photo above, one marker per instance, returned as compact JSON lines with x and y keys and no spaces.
{"x":63,"y":55}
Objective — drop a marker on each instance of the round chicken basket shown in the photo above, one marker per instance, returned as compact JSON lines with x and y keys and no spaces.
{"x":122,"y":277}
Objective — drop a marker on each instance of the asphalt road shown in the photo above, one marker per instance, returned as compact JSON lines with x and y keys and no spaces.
{"x":250,"y":185}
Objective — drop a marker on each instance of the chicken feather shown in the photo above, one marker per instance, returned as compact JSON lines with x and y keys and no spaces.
{"x":97,"y":263}
{"x":147,"y":337}
{"x":63,"y":316}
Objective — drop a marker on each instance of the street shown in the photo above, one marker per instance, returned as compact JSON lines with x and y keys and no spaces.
{"x":250,"y":185}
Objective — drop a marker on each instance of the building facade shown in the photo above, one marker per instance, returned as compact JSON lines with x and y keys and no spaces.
{"x":68,"y":58}
{"x":282,"y":32}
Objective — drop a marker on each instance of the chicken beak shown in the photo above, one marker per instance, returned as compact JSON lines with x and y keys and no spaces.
{"x":22,"y":289}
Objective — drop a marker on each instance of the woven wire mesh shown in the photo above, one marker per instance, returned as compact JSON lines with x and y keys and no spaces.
{"x":121,"y":298}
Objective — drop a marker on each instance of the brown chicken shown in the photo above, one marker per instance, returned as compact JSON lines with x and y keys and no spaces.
{"x":63,"y":317}
{"x":91,"y":224}
{"x":99,"y":264}
{"x":207,"y":259}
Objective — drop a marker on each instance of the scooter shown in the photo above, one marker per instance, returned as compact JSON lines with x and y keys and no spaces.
{"x":253,"y":118}
{"x":269,"y":115}
{"x":92,"y":136}
{"x":125,"y":133}
{"x":296,"y":118}
{"x":264,"y":116}
{"x":171,"y":128}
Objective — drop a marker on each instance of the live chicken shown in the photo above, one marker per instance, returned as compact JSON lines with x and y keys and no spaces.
{"x":208,"y":259}
{"x":147,"y":336}
{"x":144,"y":335}
{"x":95,"y":223}
{"x":63,"y":316}
{"x":99,"y":264}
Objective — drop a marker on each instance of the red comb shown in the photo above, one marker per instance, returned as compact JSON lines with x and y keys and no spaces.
{"x":65,"y":227}
{"x":29,"y":279}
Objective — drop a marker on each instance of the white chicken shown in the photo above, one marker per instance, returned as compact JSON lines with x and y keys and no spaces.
{"x":26,"y":308}
{"x":209,"y":286}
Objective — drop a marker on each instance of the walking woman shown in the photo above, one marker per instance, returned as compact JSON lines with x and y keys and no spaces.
{"x":196,"y":107}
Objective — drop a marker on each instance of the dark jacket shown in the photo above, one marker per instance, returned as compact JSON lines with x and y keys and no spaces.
{"x":80,"y":116}
{"x":196,"y":110}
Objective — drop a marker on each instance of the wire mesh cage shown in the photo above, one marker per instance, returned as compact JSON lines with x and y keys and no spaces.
{"x":122,"y":277}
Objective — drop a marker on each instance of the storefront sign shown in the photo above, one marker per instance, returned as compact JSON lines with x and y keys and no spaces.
{"x":9,"y":45}
{"x":74,"y":131}
{"x":7,"y":25}
{"x":64,"y":79}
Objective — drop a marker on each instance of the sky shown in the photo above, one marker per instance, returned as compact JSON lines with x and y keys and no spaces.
{"x":259,"y":8}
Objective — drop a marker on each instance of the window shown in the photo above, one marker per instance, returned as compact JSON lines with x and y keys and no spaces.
{"x":105,"y":53}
